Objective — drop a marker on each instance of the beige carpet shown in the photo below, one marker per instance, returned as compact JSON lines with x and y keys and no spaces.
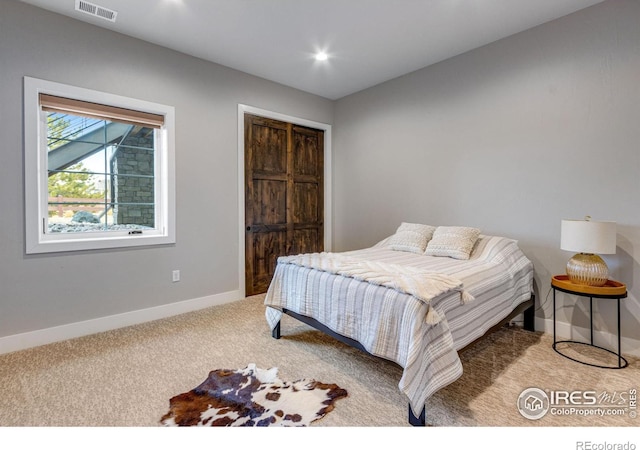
{"x":126,"y":377}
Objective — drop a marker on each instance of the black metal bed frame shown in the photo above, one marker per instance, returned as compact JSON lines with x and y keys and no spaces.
{"x":526,"y":308}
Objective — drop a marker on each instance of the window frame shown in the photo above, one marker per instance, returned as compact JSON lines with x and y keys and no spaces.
{"x":37,"y":240}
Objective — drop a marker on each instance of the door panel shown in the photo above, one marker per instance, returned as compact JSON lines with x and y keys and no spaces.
{"x":306,"y":153}
{"x":270,"y":149}
{"x":284,"y":203}
{"x":305,"y":241}
{"x":268,"y":246}
{"x":269,"y":202}
{"x":305,"y":203}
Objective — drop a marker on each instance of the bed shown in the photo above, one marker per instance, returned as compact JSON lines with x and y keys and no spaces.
{"x":416,"y":298}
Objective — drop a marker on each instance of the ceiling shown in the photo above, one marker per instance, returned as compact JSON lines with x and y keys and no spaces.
{"x":367,"y":41}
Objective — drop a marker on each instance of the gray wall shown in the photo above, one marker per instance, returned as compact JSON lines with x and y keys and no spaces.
{"x":511,"y":138}
{"x":43,"y":291}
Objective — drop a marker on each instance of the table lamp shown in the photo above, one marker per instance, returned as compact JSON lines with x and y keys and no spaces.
{"x":589,"y":239}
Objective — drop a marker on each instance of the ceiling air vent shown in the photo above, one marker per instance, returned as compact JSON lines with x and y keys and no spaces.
{"x":96,"y":10}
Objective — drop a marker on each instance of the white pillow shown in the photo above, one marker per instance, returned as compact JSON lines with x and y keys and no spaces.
{"x":454,"y":242}
{"x":411,"y":237}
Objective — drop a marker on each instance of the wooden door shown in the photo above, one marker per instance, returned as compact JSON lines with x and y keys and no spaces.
{"x":284,"y":201}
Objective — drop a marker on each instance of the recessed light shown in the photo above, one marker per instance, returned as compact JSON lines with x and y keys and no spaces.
{"x":321,"y":56}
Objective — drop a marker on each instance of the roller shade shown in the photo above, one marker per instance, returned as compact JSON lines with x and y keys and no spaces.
{"x":52,"y":103}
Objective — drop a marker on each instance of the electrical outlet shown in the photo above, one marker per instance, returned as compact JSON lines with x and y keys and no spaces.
{"x":175,"y":275}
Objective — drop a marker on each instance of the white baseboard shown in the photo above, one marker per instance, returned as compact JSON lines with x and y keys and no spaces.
{"x":73,"y":330}
{"x":601,"y":338}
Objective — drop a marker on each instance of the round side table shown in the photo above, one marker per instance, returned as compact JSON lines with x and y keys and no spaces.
{"x":611,"y":290}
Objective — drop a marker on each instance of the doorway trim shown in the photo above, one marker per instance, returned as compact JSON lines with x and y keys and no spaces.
{"x":328,"y":220}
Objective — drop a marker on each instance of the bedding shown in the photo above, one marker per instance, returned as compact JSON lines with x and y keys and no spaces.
{"x":420,"y":332}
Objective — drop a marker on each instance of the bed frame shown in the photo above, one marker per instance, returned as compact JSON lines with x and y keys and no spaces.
{"x":526,"y":308}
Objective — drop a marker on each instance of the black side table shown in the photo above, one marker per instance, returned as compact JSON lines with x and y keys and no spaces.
{"x":611,"y":290}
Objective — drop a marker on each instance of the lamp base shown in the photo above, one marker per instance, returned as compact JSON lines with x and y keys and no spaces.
{"x":587,"y":269}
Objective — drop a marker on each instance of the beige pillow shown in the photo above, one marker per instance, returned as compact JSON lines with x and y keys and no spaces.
{"x":411,"y":237}
{"x":454,"y":242}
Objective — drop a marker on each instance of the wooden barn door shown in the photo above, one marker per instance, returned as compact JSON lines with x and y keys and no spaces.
{"x":284,"y":203}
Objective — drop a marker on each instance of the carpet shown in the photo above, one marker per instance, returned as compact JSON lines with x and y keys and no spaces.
{"x":252,"y":397}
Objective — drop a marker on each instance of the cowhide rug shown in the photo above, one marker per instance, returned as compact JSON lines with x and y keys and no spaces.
{"x":252,"y":397}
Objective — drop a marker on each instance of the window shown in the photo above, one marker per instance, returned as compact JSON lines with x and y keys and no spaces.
{"x":98,"y":170}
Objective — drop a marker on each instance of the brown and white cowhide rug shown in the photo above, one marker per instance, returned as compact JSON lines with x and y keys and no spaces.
{"x":252,"y":397}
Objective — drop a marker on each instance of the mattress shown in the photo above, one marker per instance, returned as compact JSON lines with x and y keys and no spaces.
{"x":392,"y":324}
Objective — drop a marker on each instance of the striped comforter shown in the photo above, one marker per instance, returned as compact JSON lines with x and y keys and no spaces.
{"x":392,"y":324}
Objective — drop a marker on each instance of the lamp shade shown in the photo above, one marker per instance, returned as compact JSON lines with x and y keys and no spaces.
{"x":586,"y":236}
